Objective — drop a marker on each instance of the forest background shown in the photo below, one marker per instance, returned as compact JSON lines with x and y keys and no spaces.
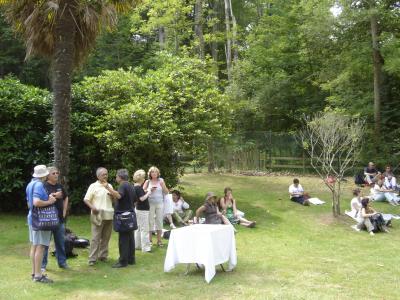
{"x":178,"y":77}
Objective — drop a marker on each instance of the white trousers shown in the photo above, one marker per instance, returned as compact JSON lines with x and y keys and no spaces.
{"x":142,"y":233}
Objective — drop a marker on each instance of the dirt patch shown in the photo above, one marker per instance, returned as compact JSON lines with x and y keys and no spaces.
{"x":329,"y":219}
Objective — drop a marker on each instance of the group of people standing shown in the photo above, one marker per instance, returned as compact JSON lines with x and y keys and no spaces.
{"x":145,"y":198}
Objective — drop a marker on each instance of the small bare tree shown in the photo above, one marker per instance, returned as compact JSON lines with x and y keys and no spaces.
{"x":333,"y":142}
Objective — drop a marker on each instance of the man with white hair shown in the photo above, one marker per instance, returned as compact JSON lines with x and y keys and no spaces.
{"x":37,"y":196}
{"x":53,"y":187}
{"x":98,"y":199}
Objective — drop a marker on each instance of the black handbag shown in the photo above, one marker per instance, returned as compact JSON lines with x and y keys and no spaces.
{"x":45,"y":218}
{"x":125,"y":221}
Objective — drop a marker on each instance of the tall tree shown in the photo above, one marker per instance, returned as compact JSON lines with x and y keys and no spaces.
{"x":64,"y":31}
{"x":198,"y":27}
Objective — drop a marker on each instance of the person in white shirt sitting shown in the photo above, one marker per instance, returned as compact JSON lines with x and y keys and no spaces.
{"x":181,"y":213}
{"x":297,"y":194}
{"x":381,"y":193}
{"x":355,"y":204}
{"x":391,"y":185}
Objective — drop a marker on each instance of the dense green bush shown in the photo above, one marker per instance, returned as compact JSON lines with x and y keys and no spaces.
{"x":134,"y":120}
{"x":25,"y":113}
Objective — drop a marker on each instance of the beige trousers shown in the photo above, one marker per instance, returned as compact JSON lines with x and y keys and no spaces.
{"x":100,"y":237}
{"x":156,"y":216}
{"x":367,"y":223}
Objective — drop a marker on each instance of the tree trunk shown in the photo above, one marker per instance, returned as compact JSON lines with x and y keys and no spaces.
{"x":336,"y":201}
{"x":62,"y":68}
{"x":161,"y":37}
{"x":198,"y":27}
{"x":377,"y":63}
{"x":228,"y":45}
{"x":211,"y":164}
{"x":214,"y":5}
{"x":234,"y":34}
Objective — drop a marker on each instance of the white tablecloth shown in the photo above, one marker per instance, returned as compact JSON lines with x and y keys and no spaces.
{"x":209,"y":245}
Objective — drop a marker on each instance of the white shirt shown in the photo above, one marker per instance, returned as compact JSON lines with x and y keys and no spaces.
{"x":180,"y":205}
{"x":390,"y":184}
{"x":356,"y":206}
{"x":376,"y":190}
{"x":293,"y":189}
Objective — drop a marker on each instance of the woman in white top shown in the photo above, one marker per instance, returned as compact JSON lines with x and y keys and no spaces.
{"x":391,"y":189}
{"x":381,"y":193}
{"x":156,"y":200}
{"x":355,"y":204}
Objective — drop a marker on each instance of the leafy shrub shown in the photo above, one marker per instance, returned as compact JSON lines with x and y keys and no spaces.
{"x":25,"y":113}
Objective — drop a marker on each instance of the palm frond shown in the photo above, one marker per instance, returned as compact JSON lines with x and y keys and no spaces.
{"x":36,"y":20}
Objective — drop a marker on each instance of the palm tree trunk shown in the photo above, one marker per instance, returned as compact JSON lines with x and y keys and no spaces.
{"x":62,"y":68}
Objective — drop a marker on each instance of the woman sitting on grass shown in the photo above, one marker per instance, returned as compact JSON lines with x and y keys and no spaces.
{"x":355,"y":204}
{"x":381,"y":193}
{"x":211,"y":211}
{"x":370,"y":219}
{"x":228,"y":208}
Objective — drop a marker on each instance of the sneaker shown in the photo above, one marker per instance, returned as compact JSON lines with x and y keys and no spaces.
{"x":42,"y":279}
{"x":92,"y":263}
{"x":356,"y":228}
{"x":371,"y":233}
{"x":172,"y":225}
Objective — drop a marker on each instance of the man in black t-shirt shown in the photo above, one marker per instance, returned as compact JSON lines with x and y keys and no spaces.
{"x":124,"y":199}
{"x":371,"y":173}
{"x":57,"y":190}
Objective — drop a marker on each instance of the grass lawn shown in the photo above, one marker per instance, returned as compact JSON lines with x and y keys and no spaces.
{"x":294,"y":252}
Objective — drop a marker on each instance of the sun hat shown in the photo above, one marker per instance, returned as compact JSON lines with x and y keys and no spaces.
{"x":210,"y":195}
{"x":40,"y":171}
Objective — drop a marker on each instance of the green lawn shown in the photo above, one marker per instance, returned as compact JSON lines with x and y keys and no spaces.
{"x":294,"y":252}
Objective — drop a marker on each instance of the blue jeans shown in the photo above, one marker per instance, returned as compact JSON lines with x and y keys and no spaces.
{"x":59,"y":241}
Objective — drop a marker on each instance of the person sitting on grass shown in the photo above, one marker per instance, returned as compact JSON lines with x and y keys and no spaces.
{"x":380,"y":193}
{"x":297,"y":194}
{"x":181,"y":213}
{"x":371,"y":174}
{"x":211,"y":211}
{"x":390,"y":185}
{"x":228,"y":208}
{"x":370,"y":219}
{"x":355,"y":203}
